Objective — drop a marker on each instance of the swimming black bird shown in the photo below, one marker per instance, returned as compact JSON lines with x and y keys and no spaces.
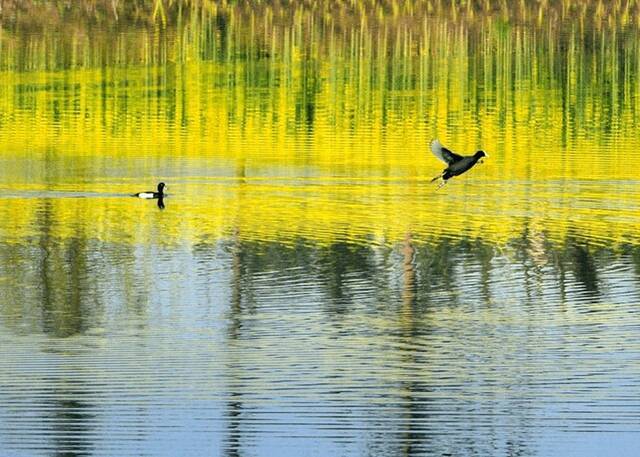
{"x":457,"y":164}
{"x":151,"y":194}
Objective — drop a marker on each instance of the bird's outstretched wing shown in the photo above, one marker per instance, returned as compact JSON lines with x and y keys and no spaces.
{"x":443,"y":153}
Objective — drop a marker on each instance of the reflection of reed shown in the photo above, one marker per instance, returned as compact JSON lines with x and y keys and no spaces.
{"x":338,"y":279}
{"x":337,"y":13}
{"x":409,"y":276}
{"x":300,"y":98}
{"x":63,"y":281}
{"x":342,"y":90}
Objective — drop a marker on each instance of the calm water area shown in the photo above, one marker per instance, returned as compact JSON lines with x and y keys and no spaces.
{"x":306,"y":290}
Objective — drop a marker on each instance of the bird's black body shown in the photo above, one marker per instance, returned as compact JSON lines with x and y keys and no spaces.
{"x":457,"y":164}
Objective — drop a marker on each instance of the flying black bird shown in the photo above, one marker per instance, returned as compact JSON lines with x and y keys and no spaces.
{"x":457,"y":164}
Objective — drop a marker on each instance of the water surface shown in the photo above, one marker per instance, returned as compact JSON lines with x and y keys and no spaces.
{"x":306,"y":290}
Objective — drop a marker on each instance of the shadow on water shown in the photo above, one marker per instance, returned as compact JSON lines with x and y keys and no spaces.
{"x":62,"y":270}
{"x":414,"y":341}
{"x":584,"y":268}
{"x":418,"y":409}
{"x":71,"y":418}
{"x":449,"y":270}
{"x":339,"y":266}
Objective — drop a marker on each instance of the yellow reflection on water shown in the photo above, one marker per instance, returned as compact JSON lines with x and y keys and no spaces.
{"x":302,"y":130}
{"x":324,"y":211}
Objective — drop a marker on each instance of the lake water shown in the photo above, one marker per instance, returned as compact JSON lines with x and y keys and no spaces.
{"x":306,"y":290}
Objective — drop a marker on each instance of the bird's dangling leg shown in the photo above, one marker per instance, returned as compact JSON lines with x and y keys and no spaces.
{"x":444,"y":181}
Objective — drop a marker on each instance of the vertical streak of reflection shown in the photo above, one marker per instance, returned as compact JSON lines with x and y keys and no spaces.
{"x":234,"y":405}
